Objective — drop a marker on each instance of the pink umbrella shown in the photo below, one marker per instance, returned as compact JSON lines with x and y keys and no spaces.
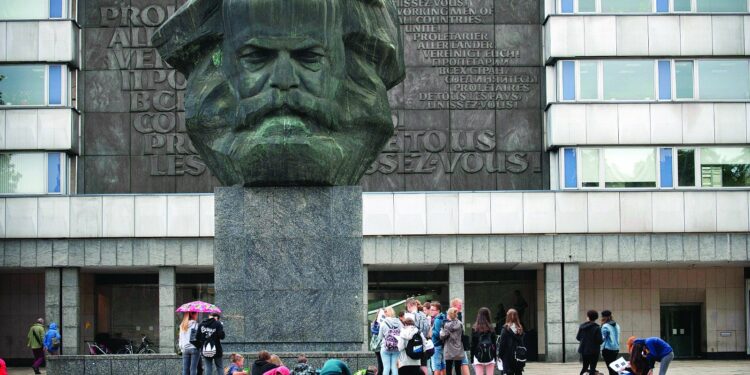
{"x":199,"y":307}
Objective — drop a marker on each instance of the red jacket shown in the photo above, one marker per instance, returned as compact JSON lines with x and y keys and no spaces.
{"x":3,"y":369}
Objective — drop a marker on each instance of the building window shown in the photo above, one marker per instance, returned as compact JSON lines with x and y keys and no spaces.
{"x":628,"y":79}
{"x":683,"y":72}
{"x":571,"y":168}
{"x":650,"y":6}
{"x":648,"y":80}
{"x":686,"y":167}
{"x":725,"y":167}
{"x":618,"y":168}
{"x":723,"y":79}
{"x":626,"y":6}
{"x":32,"y":9}
{"x":32,"y":85}
{"x":32,"y":173}
{"x":665,"y":167}
{"x":721,"y":6}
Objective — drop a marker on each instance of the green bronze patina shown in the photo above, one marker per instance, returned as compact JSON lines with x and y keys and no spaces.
{"x":286,"y":92}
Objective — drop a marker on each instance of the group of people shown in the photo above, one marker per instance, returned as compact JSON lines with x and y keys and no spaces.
{"x":605,"y":338}
{"x":423,"y":339}
{"x":43,"y":342}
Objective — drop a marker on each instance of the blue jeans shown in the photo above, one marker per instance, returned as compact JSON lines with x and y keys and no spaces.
{"x":438,"y":359}
{"x":207,"y":362}
{"x":190,"y":358}
{"x":390,"y":360}
{"x":664,"y":363}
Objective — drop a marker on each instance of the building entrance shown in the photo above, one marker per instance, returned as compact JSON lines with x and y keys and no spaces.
{"x":680,"y":327}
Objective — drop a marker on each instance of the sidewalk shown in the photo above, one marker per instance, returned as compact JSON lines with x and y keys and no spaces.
{"x":677,"y":368}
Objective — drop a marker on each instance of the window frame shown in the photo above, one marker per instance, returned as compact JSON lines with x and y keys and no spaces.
{"x":65,"y":76}
{"x":598,"y":9}
{"x":64,"y":170}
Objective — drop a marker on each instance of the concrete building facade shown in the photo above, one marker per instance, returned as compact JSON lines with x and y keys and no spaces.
{"x":587,"y":154}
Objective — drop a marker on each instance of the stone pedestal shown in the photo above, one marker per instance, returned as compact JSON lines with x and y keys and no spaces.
{"x":288,"y":268}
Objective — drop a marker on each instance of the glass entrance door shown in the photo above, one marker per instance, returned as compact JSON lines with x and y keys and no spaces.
{"x":680,"y":327}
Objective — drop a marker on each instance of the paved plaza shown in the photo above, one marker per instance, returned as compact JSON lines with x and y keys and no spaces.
{"x":677,"y":368}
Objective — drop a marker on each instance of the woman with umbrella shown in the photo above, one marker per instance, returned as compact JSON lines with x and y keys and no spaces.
{"x":188,"y":330}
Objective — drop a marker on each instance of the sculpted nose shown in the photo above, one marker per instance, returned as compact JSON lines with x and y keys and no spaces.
{"x":284,"y":76}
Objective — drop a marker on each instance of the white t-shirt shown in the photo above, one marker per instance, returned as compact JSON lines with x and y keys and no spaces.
{"x":184,"y":340}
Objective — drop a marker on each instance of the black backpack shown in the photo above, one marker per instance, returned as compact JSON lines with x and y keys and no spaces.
{"x":486,"y":349}
{"x":415,"y":346}
{"x":520,"y":352}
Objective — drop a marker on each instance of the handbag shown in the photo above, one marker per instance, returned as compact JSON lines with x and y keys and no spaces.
{"x":499,"y":363}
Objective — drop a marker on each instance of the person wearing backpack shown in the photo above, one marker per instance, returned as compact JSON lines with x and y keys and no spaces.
{"x":208,"y":338}
{"x":190,"y":356}
{"x":52,"y":340}
{"x":390,"y":329}
{"x":483,"y":340}
{"x":411,"y":347}
{"x":511,"y":350}
{"x":423,"y":325}
{"x":36,"y":343}
{"x":590,"y":337}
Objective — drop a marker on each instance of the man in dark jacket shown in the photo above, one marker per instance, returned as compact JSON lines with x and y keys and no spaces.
{"x":590,"y":337}
{"x":208,"y":340}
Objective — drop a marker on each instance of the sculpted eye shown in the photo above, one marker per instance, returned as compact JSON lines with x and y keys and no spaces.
{"x":256,"y":55}
{"x":310,"y":57}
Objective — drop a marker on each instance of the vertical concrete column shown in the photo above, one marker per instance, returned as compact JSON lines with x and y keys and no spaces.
{"x":365,"y":290}
{"x":561,"y":308}
{"x":455,"y":282}
{"x":553,"y":308}
{"x":167,"y":332}
{"x":571,"y":298}
{"x":52,"y":295}
{"x":71,"y":311}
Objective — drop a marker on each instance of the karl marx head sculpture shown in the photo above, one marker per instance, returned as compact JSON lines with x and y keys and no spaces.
{"x":286,"y":92}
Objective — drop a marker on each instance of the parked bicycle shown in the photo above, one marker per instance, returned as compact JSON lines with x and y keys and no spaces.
{"x":96,"y":348}
{"x":144,"y":348}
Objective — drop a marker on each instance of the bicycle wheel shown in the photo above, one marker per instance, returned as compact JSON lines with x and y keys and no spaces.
{"x":124,"y":351}
{"x":146,"y":351}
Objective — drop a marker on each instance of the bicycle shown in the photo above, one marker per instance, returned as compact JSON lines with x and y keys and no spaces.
{"x":97,"y":349}
{"x":144,"y":348}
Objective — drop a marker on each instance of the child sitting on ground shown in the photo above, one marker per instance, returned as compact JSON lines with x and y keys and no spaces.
{"x":236,"y":367}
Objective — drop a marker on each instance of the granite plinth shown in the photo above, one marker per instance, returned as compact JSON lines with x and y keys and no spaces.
{"x":288,"y":268}
{"x":161,"y":364}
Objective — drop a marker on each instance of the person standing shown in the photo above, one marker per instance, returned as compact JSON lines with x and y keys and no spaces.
{"x":390,"y":329}
{"x":408,"y":365}
{"x":657,"y":350}
{"x":438,"y":359}
{"x":190,"y":356}
{"x":422,"y":323}
{"x":52,"y":340}
{"x":590,"y":338}
{"x":376,"y":341}
{"x":611,"y":338}
{"x":453,"y":346}
{"x":36,"y":343}
{"x":209,"y":336}
{"x":458,"y":304}
{"x":483,"y":340}
{"x":511,"y":338}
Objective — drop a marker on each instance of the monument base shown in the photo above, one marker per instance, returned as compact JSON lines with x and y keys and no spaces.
{"x":288,"y":268}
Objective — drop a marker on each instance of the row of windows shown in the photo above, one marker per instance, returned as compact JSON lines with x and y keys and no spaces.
{"x":650,"y":167}
{"x":652,"y":6}
{"x":33,"y":9}
{"x":33,"y":173}
{"x":597,"y":80}
{"x":32,"y":85}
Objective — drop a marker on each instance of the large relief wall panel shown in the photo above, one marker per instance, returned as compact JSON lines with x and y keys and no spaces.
{"x":467,"y":116}
{"x":134,"y":124}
